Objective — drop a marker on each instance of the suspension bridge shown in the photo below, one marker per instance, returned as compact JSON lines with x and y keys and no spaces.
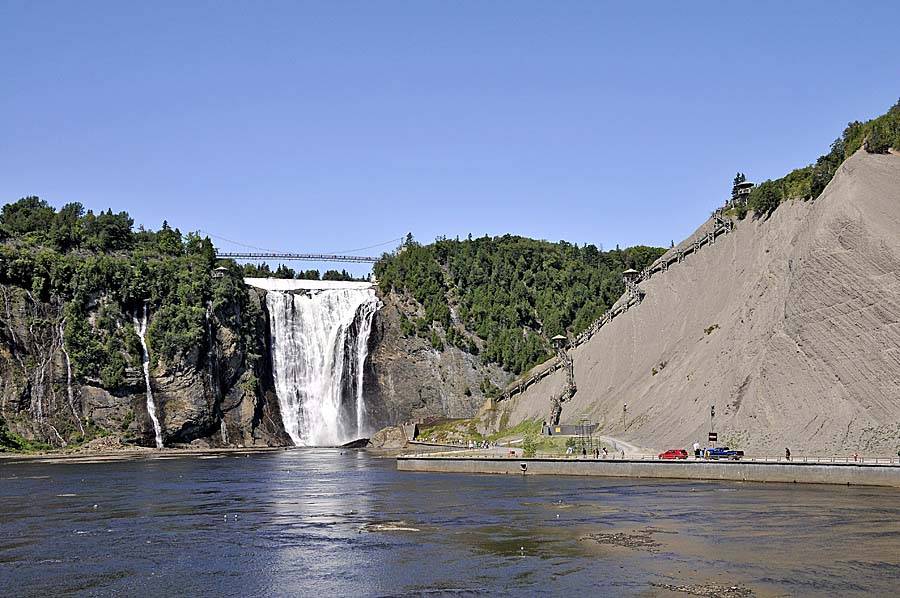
{"x":253,"y":253}
{"x":297,"y":257}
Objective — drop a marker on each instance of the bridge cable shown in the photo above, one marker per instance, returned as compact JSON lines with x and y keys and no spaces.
{"x":267,"y":250}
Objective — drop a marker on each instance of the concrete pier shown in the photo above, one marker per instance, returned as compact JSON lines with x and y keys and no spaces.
{"x":856,"y":474}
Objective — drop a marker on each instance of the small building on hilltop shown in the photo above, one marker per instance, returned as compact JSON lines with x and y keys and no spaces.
{"x":740,"y":191}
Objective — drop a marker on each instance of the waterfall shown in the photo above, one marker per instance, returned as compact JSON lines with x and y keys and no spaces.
{"x":69,"y":393}
{"x":140,"y":326}
{"x":319,"y":347}
{"x":212,"y":371}
{"x":364,"y":318}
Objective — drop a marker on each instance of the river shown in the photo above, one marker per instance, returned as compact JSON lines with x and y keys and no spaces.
{"x":326,"y":522}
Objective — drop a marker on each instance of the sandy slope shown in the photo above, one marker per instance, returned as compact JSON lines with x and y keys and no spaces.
{"x":807,"y":349}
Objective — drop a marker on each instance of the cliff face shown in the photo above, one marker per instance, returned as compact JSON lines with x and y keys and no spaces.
{"x":788,"y":326}
{"x":211,"y":397}
{"x":408,"y":379}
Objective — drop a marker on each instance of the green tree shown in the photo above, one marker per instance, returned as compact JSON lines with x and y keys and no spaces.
{"x":67,"y":232}
{"x":529,"y":445}
{"x":765,"y":197}
{"x":169,"y":240}
{"x":28,"y":215}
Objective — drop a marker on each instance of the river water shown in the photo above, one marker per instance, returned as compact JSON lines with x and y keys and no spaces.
{"x":325,"y":522}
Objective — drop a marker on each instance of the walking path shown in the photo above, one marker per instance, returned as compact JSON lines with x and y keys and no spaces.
{"x":633,"y":296}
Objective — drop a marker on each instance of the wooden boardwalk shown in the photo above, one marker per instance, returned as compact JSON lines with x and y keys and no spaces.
{"x":633,"y":296}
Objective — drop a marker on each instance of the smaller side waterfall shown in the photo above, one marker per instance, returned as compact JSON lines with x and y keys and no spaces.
{"x":212,"y":371}
{"x":140,"y":326}
{"x":69,"y":393}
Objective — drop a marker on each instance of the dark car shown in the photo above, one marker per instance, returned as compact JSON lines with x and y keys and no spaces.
{"x":723,"y":452}
{"x":674,"y":454}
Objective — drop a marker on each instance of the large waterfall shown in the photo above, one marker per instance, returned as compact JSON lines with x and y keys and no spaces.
{"x":320,"y":333}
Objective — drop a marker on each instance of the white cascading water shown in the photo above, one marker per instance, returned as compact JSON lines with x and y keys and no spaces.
{"x":364,"y":318}
{"x":69,"y":393}
{"x":140,"y":326}
{"x":315,"y":358}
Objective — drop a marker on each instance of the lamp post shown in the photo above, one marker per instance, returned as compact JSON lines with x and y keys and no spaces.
{"x":624,"y":412}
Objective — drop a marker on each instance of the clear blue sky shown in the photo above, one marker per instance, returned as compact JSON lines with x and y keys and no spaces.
{"x":330,"y":126}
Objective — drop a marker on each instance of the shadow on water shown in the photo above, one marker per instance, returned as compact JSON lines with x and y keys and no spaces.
{"x":341,"y":522}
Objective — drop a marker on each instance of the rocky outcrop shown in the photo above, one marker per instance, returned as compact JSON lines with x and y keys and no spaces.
{"x":408,"y":379}
{"x":392,"y":437}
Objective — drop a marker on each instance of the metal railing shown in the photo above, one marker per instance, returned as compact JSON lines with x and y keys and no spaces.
{"x":506,"y":451}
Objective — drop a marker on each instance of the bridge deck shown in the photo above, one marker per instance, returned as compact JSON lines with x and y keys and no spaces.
{"x":307,"y":257}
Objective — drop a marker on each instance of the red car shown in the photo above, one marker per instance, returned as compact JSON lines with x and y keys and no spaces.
{"x":674,"y":454}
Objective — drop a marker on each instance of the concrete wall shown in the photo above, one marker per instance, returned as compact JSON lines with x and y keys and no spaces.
{"x":857,"y":474}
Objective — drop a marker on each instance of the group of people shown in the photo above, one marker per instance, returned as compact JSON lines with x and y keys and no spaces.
{"x":599,"y":452}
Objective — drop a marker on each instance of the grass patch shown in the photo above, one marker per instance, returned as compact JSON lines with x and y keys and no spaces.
{"x":467,"y":429}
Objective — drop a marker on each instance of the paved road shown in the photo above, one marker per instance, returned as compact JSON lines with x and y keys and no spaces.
{"x":631,"y":450}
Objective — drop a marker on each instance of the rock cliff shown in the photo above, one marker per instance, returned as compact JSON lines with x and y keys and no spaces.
{"x":211,"y":397}
{"x":410,"y":379}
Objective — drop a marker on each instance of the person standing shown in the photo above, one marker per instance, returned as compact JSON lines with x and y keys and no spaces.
{"x":696,"y":450}
{"x":787,"y":454}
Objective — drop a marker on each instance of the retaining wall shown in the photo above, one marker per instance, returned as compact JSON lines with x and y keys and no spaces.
{"x":857,"y":474}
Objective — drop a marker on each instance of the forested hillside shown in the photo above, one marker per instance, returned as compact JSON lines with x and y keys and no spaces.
{"x":85,"y":260}
{"x":73,"y":283}
{"x":505,"y":297}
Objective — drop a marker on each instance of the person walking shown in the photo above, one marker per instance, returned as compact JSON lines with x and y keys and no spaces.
{"x":787,"y":454}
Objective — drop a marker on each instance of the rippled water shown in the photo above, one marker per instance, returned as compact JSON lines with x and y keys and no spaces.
{"x":330,"y":523}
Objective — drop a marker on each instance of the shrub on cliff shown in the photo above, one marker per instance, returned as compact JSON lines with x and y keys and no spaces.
{"x":875,"y":136}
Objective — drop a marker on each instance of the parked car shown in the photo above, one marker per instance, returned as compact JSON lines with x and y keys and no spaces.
{"x":723,"y":452}
{"x":674,"y":454}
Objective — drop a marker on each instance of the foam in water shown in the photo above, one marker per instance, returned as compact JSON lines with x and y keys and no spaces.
{"x":140,"y":326}
{"x":319,"y":346}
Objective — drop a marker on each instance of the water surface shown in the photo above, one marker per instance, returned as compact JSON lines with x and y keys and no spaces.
{"x":344,"y":523}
